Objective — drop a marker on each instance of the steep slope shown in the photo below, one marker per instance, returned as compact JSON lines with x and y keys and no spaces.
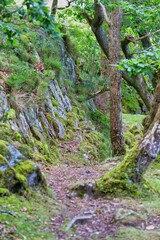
{"x":37,"y":117}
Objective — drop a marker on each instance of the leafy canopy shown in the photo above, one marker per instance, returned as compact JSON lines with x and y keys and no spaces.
{"x":13,"y":17}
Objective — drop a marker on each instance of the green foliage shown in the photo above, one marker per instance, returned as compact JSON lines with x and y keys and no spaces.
{"x":25,"y":79}
{"x":27,"y":215}
{"x":35,"y":12}
{"x":130,"y":99}
{"x":144,"y":63}
{"x":131,"y":119}
{"x":101,"y":122}
{"x":87,"y":57}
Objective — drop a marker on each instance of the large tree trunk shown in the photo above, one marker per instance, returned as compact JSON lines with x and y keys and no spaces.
{"x":116,"y":134}
{"x":129,"y":172}
{"x":112,"y":50}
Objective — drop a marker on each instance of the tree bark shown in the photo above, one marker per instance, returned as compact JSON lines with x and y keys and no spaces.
{"x":54,"y":7}
{"x":111,"y":49}
{"x":116,"y":134}
{"x":155,"y":105}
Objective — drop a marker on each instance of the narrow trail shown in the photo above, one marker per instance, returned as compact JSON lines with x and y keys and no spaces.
{"x":102,"y":210}
{"x":103,"y":223}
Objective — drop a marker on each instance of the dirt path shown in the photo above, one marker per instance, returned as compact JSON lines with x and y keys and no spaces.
{"x":103,"y":222}
{"x":102,"y":210}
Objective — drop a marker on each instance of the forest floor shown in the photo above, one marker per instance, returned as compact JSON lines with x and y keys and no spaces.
{"x":114,"y":218}
{"x":62,"y":215}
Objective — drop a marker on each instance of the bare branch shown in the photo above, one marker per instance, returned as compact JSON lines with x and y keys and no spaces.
{"x":105,"y":14}
{"x":147,"y":35}
{"x":98,"y":93}
{"x":69,"y":4}
{"x":88,"y":19}
{"x":10,"y":13}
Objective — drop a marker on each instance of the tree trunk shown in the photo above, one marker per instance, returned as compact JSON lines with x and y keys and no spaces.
{"x":54,"y":7}
{"x":112,"y":50}
{"x":129,"y":173}
{"x":116,"y":134}
{"x":154,"y":108}
{"x":103,"y":99}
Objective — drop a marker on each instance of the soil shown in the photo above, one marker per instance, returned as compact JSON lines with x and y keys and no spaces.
{"x":103,"y":221}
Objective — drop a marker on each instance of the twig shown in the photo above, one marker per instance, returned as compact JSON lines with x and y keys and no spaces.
{"x":10,"y":13}
{"x":9,"y":212}
{"x":78,"y":218}
{"x":98,"y":93}
{"x":148,"y":34}
{"x":146,"y":50}
{"x":69,"y":4}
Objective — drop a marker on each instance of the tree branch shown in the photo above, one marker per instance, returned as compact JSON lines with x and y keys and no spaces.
{"x":88,"y":19}
{"x":10,"y":13}
{"x":125,"y":46}
{"x":147,"y":35}
{"x":69,"y":4}
{"x":98,"y":93}
{"x":97,"y":28}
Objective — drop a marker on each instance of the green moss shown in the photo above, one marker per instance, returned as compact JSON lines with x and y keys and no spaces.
{"x":54,"y":102}
{"x":129,"y":139}
{"x":22,"y":180}
{"x":25,"y":167}
{"x":36,"y":133}
{"x":117,"y":181}
{"x":72,"y":117}
{"x":136,"y":129}
{"x":11,"y":114}
{"x":4,"y":192}
{"x":4,"y":148}
{"x":3,"y":160}
{"x":5,"y":131}
{"x":17,"y":136}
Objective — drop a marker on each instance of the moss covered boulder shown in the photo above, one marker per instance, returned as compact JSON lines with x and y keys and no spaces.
{"x":16,"y":172}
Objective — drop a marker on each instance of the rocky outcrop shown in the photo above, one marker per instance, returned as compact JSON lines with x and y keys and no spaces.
{"x":28,"y":133}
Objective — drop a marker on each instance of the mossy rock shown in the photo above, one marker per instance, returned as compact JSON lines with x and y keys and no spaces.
{"x":4,"y":148}
{"x":3,"y":160}
{"x":5,"y":131}
{"x":26,"y":174}
{"x":26,"y":150}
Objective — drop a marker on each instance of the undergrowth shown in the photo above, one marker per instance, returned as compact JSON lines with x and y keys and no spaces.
{"x":27,"y":217}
